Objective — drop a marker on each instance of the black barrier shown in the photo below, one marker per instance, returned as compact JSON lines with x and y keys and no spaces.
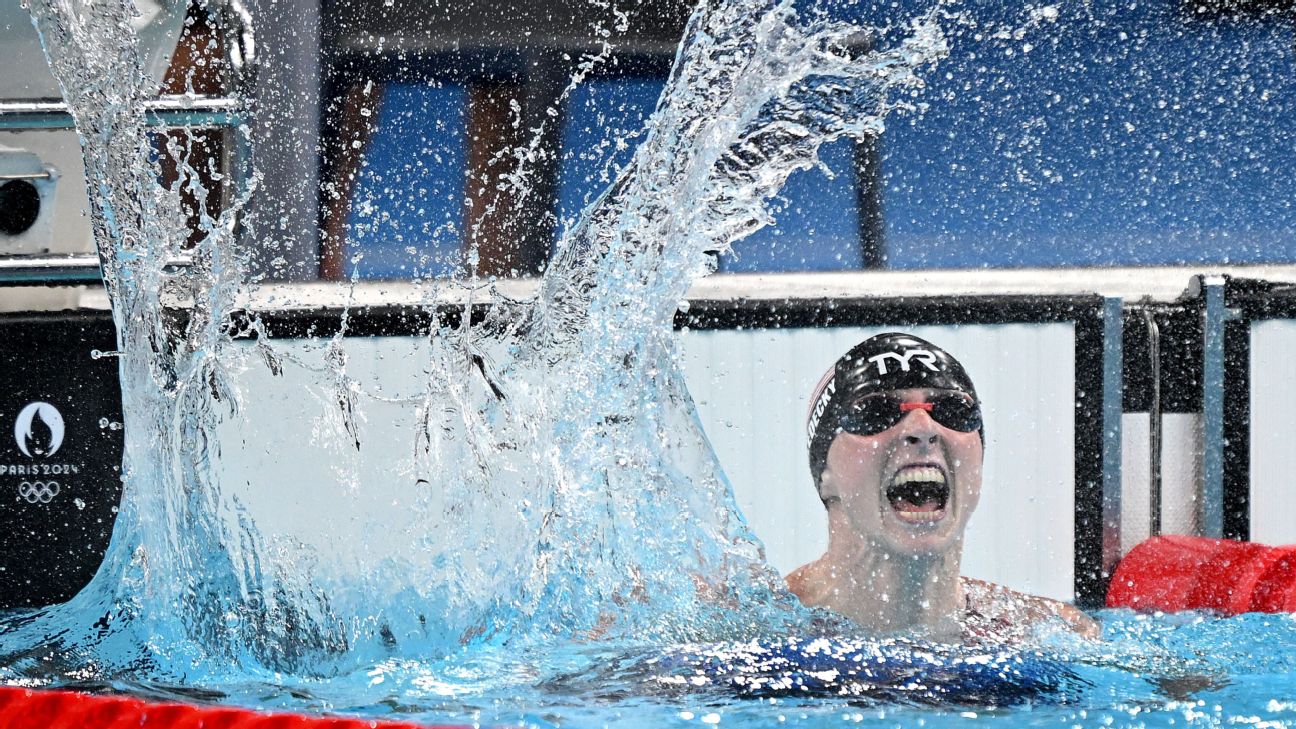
{"x":60,"y":453}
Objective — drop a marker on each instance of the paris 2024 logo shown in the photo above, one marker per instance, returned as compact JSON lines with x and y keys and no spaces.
{"x":38,"y":433}
{"x":39,"y":430}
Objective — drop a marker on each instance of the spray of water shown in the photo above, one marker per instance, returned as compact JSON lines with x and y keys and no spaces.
{"x":565,"y":489}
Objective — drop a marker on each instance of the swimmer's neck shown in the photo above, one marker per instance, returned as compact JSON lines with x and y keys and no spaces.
{"x":891,"y":593}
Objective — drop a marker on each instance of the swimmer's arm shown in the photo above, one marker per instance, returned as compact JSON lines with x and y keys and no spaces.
{"x":1076,"y":619}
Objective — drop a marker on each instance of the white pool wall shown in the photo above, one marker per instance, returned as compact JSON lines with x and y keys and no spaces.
{"x":1273,"y":428}
{"x":751,"y":387}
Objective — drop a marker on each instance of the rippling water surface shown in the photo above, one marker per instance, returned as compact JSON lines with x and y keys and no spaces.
{"x":567,"y":551}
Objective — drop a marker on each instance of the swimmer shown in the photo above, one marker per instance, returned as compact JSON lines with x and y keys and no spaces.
{"x":896,"y":448}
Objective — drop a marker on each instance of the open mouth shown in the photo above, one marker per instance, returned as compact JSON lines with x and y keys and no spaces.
{"x":919,"y":494}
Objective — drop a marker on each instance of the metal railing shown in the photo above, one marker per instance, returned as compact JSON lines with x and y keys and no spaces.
{"x":165,"y":111}
{"x":81,"y":268}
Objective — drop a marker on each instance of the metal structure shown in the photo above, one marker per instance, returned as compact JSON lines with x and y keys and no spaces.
{"x":58,"y":270}
{"x":28,"y":116}
{"x":165,"y":111}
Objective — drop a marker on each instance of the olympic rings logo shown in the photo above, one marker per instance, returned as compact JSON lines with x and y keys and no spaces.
{"x":41,"y":492}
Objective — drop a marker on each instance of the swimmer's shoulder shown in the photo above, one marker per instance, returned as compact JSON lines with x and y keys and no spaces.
{"x":996,"y":604}
{"x":808,"y":584}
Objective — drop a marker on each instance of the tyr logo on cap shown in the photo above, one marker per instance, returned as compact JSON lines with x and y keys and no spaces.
{"x":924,"y":356}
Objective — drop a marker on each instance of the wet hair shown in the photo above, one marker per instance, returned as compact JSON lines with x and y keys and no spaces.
{"x":883,"y":363}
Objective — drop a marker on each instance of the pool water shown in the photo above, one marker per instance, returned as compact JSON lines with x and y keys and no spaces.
{"x":572,"y":555}
{"x":1183,"y":670}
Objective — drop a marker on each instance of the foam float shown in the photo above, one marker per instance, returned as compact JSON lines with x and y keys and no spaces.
{"x":1174,"y":572}
{"x":22,"y":708}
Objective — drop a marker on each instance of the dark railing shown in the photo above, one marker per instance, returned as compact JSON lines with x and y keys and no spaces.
{"x":167,"y":111}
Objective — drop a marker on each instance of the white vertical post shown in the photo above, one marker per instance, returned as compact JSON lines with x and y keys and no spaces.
{"x":1112,"y":409}
{"x":286,"y":131}
{"x":1214,"y":316}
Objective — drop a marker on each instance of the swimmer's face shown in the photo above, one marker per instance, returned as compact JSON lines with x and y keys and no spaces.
{"x":911,"y":488}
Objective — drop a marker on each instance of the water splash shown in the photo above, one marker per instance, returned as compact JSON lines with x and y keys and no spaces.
{"x":182,"y":559}
{"x":564,"y":487}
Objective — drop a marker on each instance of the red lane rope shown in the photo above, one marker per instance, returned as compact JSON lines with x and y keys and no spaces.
{"x":22,"y":708}
{"x":1177,"y":572}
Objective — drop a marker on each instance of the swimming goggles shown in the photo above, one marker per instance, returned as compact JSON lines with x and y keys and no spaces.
{"x":873,"y":414}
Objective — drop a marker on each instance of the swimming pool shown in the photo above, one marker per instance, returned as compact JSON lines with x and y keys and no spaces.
{"x":559,"y":544}
{"x":1177,"y":670}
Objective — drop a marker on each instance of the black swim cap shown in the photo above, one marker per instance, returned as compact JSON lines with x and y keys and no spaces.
{"x":882,"y":363}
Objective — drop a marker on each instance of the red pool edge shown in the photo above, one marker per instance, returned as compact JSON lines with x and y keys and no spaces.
{"x":24,"y":708}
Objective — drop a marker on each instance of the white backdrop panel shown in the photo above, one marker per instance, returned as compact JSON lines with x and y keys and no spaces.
{"x":751,"y":388}
{"x":1273,"y":421}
